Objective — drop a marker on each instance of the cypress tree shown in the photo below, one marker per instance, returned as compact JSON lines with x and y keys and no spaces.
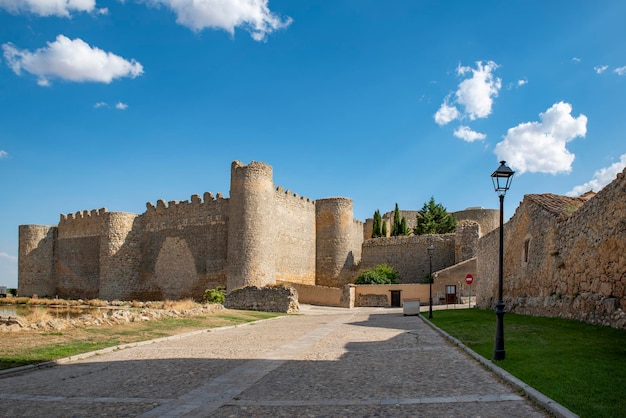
{"x":376,"y":229}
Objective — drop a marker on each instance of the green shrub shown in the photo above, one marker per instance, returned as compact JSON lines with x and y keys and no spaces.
{"x":216,"y":295}
{"x":381,"y":274}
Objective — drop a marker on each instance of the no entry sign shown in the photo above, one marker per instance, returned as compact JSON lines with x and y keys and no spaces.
{"x":469,"y":279}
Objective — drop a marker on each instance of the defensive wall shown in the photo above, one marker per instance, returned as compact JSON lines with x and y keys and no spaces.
{"x":260,"y":235}
{"x":563,"y":257}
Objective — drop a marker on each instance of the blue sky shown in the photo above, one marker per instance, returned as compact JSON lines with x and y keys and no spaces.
{"x":118,"y":103}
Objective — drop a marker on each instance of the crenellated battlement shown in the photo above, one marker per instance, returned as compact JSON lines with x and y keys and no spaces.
{"x":80,"y":215}
{"x":287,"y":194}
{"x":81,"y":224}
{"x":195,"y":201}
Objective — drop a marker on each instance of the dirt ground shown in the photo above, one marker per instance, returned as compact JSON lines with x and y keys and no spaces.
{"x":29,"y":346}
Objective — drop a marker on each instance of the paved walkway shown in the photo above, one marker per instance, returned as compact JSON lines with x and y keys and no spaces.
{"x":328,"y":362}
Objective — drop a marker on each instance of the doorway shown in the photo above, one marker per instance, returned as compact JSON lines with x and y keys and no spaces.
{"x":395,"y":298}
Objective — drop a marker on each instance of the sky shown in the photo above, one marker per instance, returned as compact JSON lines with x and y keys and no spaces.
{"x":121,"y":102}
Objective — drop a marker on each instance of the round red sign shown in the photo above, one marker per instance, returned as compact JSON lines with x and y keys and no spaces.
{"x":469,"y":279}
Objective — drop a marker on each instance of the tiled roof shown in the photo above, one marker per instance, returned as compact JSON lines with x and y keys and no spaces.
{"x":557,"y":204}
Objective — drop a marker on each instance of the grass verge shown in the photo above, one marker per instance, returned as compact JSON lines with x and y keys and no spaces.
{"x":31,"y":347}
{"x":581,"y":366}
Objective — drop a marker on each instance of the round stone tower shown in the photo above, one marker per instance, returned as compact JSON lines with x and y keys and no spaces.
{"x":334,"y":228}
{"x":250,"y":243}
{"x":35,"y":268}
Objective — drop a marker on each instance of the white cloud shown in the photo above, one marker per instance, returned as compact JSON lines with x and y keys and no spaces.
{"x":121,"y":106}
{"x":62,"y":8}
{"x":539,"y":147}
{"x":620,"y":70}
{"x":446,"y":114}
{"x":251,"y":15}
{"x":476,"y":93}
{"x":72,"y":60}
{"x":600,"y":68}
{"x":3,"y":154}
{"x":600,"y":178}
{"x":576,"y":59}
{"x":522,"y":82}
{"x":100,"y":104}
{"x":466,"y":134}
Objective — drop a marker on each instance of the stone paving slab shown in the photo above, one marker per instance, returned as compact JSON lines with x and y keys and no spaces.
{"x":324,"y":362}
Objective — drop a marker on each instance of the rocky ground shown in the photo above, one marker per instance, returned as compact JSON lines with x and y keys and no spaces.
{"x":112,"y":314}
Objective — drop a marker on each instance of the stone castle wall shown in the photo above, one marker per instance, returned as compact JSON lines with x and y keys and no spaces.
{"x":408,"y":255}
{"x":294,"y":230}
{"x":177,"y":249}
{"x":562,"y":257}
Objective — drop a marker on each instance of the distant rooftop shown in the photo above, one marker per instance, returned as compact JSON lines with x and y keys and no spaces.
{"x":560,"y":205}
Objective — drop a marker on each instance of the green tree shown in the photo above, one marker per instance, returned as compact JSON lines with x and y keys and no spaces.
{"x":376,"y":230}
{"x":433,"y":218}
{"x":384,"y":229}
{"x":381,"y":274}
{"x":396,"y":222}
{"x":404,"y":230}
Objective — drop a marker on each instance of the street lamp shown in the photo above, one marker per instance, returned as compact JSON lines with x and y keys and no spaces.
{"x":501,"y":179}
{"x":431,"y":250}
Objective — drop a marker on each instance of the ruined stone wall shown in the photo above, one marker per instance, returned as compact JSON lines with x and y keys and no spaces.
{"x":466,"y":240}
{"x":36,"y":260}
{"x":338,"y":241}
{"x":409,"y":255}
{"x":570,"y":264}
{"x":293,"y":238}
{"x":488,"y":219}
{"x":266,"y":299}
{"x":77,"y":259}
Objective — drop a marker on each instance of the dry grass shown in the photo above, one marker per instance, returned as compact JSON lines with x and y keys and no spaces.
{"x":37,"y":315}
{"x":179,"y":305}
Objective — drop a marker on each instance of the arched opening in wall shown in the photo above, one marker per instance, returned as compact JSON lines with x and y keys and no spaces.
{"x":175,"y":269}
{"x":526,"y":248}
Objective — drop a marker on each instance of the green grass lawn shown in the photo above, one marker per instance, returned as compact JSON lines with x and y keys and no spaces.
{"x":581,"y":366}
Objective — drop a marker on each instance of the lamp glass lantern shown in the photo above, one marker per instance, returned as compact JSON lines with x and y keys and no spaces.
{"x":502,"y":178}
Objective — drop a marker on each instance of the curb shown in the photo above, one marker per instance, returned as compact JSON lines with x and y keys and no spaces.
{"x":549,"y":404}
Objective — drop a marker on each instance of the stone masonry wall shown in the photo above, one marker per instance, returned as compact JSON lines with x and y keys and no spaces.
{"x":569,"y":263}
{"x":409,"y":255}
{"x":266,"y":299}
{"x":77,"y":258}
{"x":294,"y":237}
{"x":36,"y":260}
{"x":183,"y":248}
{"x":338,"y":241}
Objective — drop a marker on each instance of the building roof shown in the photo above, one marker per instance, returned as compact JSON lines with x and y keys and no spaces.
{"x":559,"y":205}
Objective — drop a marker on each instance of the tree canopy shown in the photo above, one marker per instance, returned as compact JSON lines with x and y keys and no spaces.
{"x":433,"y":218}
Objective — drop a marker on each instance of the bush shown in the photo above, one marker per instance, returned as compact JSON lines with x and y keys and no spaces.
{"x":216,"y":295}
{"x":381,"y":274}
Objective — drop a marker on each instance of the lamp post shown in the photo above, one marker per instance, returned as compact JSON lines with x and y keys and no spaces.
{"x":431,"y":250}
{"x":501,"y":179}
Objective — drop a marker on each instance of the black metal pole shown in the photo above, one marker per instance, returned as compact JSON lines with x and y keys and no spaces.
{"x":498,"y":351}
{"x":430,"y":281}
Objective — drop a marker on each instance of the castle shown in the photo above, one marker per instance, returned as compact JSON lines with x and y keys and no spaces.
{"x":260,"y":235}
